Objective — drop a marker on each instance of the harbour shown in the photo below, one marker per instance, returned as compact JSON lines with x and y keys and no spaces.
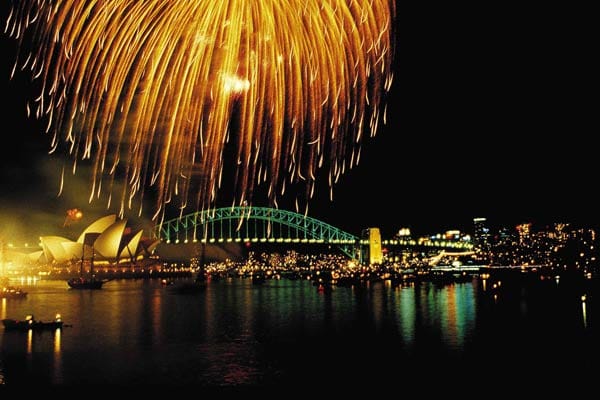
{"x":282,"y":332}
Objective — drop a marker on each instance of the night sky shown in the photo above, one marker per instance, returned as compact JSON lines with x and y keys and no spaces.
{"x":489,"y":115}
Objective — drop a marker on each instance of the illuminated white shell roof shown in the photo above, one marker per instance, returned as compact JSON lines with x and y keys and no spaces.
{"x":98,"y":226}
{"x":109,"y":241}
{"x":106,"y":235}
{"x":53,"y":248}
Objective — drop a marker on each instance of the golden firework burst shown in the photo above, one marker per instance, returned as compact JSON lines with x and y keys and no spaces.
{"x":152,"y":92}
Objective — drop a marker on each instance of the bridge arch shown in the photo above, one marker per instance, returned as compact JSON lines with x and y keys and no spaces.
{"x":254,"y":224}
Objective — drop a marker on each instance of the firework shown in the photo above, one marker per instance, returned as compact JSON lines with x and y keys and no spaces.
{"x":167,"y":94}
{"x":73,"y":215}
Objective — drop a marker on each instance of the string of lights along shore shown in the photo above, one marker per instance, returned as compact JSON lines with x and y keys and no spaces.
{"x":160,"y":93}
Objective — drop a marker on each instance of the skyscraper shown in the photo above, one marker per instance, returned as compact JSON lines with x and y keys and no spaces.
{"x":481,"y":237}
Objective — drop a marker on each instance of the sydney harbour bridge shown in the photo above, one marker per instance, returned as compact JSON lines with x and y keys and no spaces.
{"x":247,"y":224}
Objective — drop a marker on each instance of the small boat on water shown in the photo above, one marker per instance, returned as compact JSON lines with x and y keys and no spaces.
{"x":29,"y":323}
{"x":197,"y":285}
{"x":11,"y":292}
{"x":86,"y":283}
{"x":189,"y":287}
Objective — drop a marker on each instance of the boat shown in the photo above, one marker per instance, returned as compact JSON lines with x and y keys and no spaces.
{"x":189,"y":287}
{"x":30,"y":323}
{"x":166,"y":282}
{"x":86,"y":283}
{"x":11,"y":292}
{"x":83,"y":282}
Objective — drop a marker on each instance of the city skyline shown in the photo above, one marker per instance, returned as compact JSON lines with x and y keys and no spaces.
{"x":471,"y":116}
{"x":451,"y":231}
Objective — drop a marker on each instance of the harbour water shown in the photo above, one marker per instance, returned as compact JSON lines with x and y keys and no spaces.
{"x":286,"y":332}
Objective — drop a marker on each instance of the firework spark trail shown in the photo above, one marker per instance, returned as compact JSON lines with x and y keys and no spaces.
{"x":151,"y":92}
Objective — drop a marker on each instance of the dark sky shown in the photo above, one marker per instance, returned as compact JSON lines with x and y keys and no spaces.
{"x":490,"y":115}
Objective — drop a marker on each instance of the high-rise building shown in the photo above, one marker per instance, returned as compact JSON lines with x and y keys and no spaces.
{"x":481,"y":237}
{"x":524,"y":231}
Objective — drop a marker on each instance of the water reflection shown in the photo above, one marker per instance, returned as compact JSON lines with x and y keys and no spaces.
{"x":57,"y":365}
{"x":29,"y":341}
{"x":156,"y":316}
{"x":448,"y":312}
{"x":406,"y":315}
{"x":236,"y":333}
{"x":584,"y":310}
{"x":57,"y":335}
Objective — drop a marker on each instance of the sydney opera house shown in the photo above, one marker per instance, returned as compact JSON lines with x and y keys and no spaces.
{"x":108,"y":240}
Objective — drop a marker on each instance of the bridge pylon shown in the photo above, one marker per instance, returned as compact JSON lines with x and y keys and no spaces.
{"x":370,"y":249}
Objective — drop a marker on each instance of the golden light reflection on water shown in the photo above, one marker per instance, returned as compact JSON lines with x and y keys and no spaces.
{"x":450,"y":315}
{"x":3,"y":309}
{"x":57,"y":338}
{"x":584,"y":310}
{"x":29,"y":341}
{"x":156,"y":315}
{"x":57,"y":375}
